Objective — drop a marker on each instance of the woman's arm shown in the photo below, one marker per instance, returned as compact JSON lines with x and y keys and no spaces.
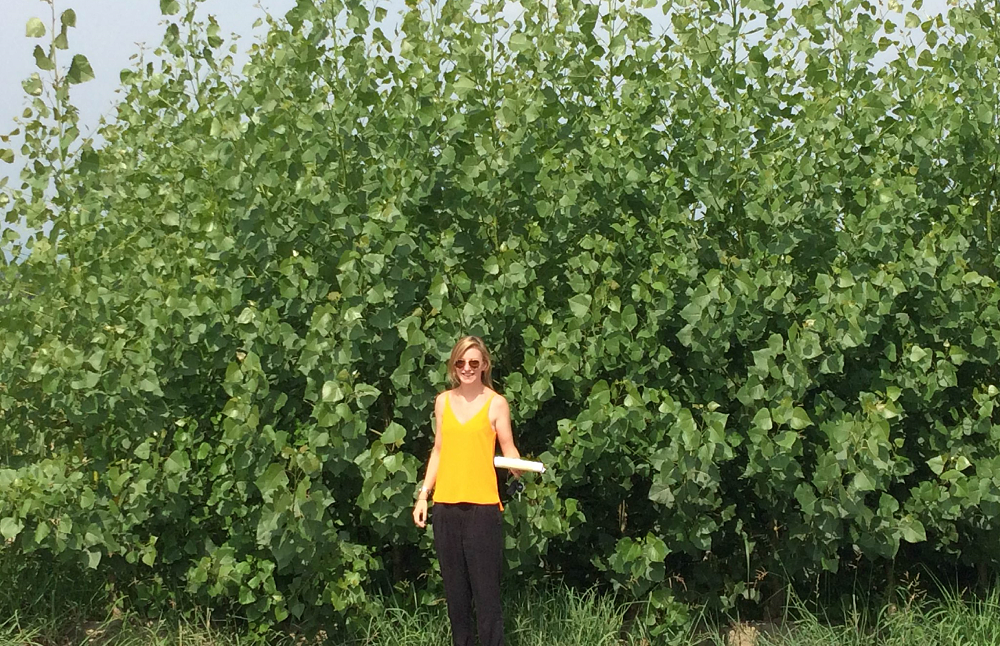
{"x":420,"y":508}
{"x":504,"y":434}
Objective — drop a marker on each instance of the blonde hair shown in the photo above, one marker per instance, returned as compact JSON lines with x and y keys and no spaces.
{"x":463,"y":346}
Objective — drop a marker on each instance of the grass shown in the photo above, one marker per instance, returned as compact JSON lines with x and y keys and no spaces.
{"x":128,"y":631}
{"x":560,"y":617}
{"x":951,"y":620}
{"x":553,"y":617}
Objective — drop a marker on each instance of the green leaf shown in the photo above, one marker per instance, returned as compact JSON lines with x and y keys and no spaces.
{"x":786,"y":439}
{"x":35,"y":28}
{"x":393,"y":434}
{"x":937,"y":464}
{"x":177,"y":462}
{"x":32,"y":85}
{"x":366,"y":394}
{"x":212,"y":33}
{"x":579,"y":305}
{"x":10,"y":528}
{"x":273,"y":478}
{"x":762,"y":420}
{"x":68,"y":18}
{"x":518,"y":42}
{"x":464,"y":84}
{"x":42,"y":531}
{"x":332,"y":392}
{"x":80,"y":70}
{"x":142,"y":451}
{"x":42,"y":60}
{"x":660,"y":493}
{"x":90,"y":380}
{"x":630,"y":318}
{"x":655,"y":548}
{"x":799,"y":419}
{"x":862,"y":482}
{"x":7,"y":155}
{"x":912,"y":530}
{"x":93,"y":559}
{"x":150,"y":385}
{"x":169,"y":7}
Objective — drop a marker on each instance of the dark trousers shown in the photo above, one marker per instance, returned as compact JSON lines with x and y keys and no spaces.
{"x":469,"y":543}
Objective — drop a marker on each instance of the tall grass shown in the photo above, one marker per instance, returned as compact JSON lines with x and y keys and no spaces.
{"x":556,"y":616}
{"x":36,"y":590}
{"x":914,"y":620}
{"x":133,"y":631}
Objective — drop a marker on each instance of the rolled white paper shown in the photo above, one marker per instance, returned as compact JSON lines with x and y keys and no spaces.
{"x":501,"y":462}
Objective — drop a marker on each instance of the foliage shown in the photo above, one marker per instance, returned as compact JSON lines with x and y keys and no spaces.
{"x":740,"y":282}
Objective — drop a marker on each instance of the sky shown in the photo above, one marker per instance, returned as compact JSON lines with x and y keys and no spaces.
{"x":109,"y":32}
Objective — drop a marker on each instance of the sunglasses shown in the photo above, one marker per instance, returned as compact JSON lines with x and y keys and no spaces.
{"x":473,"y":364}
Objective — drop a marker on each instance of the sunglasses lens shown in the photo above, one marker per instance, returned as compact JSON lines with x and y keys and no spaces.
{"x":473,"y":364}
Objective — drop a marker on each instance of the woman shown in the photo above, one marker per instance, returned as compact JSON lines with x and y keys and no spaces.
{"x":469,"y":420}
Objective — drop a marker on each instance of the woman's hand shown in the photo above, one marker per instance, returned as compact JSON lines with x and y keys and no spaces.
{"x":420,"y":513}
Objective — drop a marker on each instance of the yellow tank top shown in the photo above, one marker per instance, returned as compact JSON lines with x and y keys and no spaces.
{"x":465,"y":466}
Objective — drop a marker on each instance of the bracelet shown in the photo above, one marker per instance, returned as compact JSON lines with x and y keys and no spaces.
{"x":423,"y":491}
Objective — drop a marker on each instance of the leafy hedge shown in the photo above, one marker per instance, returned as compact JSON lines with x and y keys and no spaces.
{"x":740,"y":282}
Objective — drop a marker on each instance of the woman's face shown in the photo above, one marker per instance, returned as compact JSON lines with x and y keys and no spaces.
{"x":470,"y":366}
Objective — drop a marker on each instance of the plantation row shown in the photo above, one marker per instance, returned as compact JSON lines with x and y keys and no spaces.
{"x":740,"y":286}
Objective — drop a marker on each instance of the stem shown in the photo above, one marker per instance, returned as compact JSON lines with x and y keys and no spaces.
{"x":491,"y":80}
{"x":59,"y":113}
{"x":734,"y":104}
{"x":611,"y":56}
{"x":994,"y":199}
{"x":188,"y":59}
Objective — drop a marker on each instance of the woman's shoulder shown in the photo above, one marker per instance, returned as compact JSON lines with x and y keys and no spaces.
{"x":497,"y":401}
